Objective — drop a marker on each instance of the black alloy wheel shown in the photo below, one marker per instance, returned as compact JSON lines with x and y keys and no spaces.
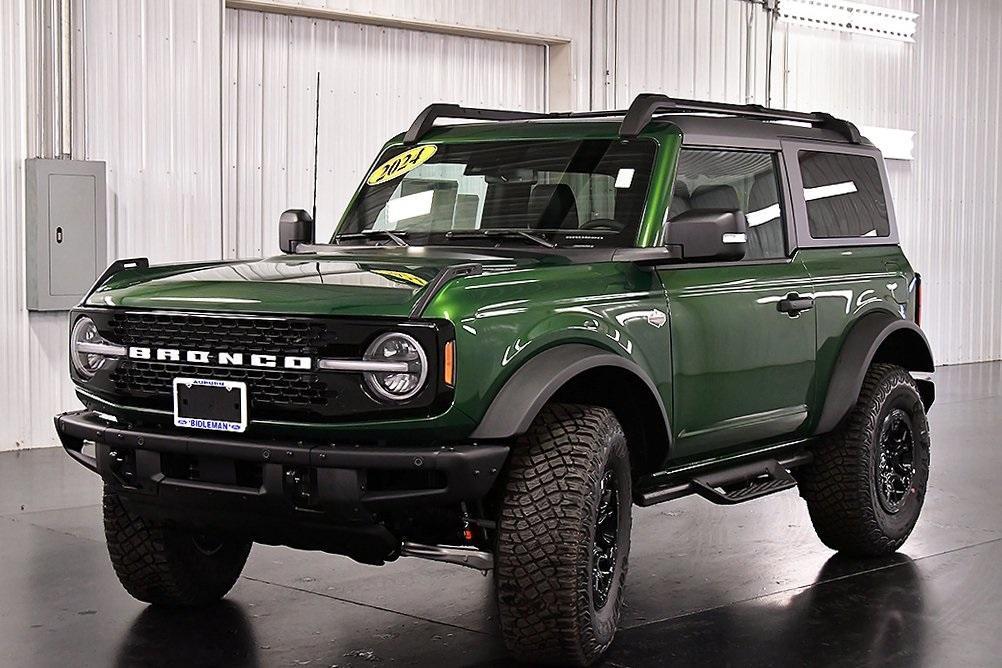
{"x":895,"y":460}
{"x":606,"y":540}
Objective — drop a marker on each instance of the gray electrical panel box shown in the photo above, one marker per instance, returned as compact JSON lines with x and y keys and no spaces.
{"x":66,"y":230}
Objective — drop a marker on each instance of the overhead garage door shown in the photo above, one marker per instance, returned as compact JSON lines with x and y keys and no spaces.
{"x":374,"y":80}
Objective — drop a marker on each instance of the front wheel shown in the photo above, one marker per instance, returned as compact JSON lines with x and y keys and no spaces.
{"x":564,"y":537}
{"x":867,"y":483}
{"x":167,"y":566}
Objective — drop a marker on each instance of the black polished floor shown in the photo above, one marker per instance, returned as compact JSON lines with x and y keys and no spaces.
{"x":709,"y":586}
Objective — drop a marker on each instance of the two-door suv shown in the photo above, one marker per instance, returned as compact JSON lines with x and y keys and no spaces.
{"x":520,"y":328}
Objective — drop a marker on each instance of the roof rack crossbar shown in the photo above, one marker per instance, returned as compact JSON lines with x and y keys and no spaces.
{"x":646,"y":105}
{"x":426,"y":119}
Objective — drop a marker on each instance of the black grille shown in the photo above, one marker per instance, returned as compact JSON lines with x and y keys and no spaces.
{"x":277,"y":394}
{"x":278,"y":389}
{"x":270,"y":389}
{"x":214,"y":333}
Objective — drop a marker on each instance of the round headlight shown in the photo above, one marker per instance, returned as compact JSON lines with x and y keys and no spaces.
{"x":85,"y":332}
{"x":406,"y":364}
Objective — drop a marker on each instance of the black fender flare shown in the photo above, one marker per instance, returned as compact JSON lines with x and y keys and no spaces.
{"x":858,"y":352}
{"x":521,"y":398}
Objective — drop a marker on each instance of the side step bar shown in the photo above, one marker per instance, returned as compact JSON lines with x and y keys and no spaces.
{"x":470,"y":557}
{"x":727,"y":485}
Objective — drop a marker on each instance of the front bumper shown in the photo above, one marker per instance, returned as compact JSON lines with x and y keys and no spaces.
{"x":288,"y":492}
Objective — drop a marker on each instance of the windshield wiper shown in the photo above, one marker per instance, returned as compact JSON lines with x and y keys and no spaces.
{"x":395,"y":237}
{"x":509,"y":234}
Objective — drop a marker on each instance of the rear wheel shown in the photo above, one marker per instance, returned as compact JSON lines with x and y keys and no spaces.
{"x":564,"y":537}
{"x":166,"y":566}
{"x":867,"y":483}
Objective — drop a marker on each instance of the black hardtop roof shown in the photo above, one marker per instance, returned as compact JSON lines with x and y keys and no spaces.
{"x":692,"y":117}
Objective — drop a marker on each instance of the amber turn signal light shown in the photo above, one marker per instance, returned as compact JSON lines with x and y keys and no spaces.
{"x":449,"y":373}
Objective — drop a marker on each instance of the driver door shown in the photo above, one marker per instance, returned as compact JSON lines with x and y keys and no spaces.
{"x":743,"y":363}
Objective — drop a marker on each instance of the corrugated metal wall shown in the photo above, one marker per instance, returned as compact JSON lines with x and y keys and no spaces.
{"x":150,"y":97}
{"x":150,"y":94}
{"x":950,"y":200}
{"x":948,"y":88}
{"x":15,"y":346}
{"x":698,"y":49}
{"x":151,"y":101}
{"x":32,"y":346}
{"x":565,"y":18}
{"x":374,"y":81}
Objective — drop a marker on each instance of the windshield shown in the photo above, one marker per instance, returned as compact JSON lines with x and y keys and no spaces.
{"x":555,"y":193}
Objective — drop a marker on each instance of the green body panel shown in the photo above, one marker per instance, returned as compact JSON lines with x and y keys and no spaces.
{"x":504,"y":318}
{"x":848,"y":284}
{"x":303,"y":284}
{"x":744,"y":371}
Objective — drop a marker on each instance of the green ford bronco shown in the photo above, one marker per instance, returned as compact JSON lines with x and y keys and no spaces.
{"x":521,"y":327}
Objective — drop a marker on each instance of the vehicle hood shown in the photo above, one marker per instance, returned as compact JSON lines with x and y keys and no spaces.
{"x":371,"y":282}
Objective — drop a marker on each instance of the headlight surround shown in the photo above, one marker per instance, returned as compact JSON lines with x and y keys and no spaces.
{"x":88,"y":349}
{"x":397,"y":385}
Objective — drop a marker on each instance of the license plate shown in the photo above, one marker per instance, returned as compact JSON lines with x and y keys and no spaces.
{"x":219,"y":405}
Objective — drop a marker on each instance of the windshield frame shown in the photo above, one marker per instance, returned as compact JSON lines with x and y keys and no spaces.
{"x":652,"y":192}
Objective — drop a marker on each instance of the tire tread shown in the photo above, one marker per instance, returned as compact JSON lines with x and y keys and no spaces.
{"x":544,"y":534}
{"x":837,"y":485}
{"x":156,"y":565}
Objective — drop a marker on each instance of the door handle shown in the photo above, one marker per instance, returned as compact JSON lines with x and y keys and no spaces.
{"x":793,"y":304}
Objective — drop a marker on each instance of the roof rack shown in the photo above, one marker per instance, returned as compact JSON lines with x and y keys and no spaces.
{"x":645,"y":106}
{"x":426,"y":119}
{"x":422,"y":124}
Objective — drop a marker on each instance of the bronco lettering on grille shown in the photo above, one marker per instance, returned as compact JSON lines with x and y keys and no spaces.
{"x":259,"y":360}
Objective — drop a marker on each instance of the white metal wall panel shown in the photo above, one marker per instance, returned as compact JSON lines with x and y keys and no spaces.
{"x":32,"y":346}
{"x":948,"y":88}
{"x":701,"y":49}
{"x":15,"y":343}
{"x":564,"y":18}
{"x":373,"y":82}
{"x":950,"y":200}
{"x":150,"y":97}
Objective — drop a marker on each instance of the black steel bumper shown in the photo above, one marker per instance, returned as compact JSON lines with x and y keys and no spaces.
{"x":273,"y":489}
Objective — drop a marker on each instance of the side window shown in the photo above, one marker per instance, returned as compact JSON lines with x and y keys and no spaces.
{"x":844,"y":195}
{"x":740,"y":180}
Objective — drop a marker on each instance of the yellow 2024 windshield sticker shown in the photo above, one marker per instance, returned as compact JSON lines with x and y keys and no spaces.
{"x":401,"y":163}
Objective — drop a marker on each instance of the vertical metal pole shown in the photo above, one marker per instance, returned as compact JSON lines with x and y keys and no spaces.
{"x":65,"y":86}
{"x":316,"y":151}
{"x":50,"y":84}
{"x":770,"y":29}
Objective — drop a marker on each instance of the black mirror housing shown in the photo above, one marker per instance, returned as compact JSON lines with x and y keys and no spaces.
{"x":295,"y":228}
{"x":709,"y":234}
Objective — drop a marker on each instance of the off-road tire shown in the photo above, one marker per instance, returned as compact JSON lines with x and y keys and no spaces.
{"x":841,"y":484}
{"x":165,"y":566}
{"x":547,"y":531}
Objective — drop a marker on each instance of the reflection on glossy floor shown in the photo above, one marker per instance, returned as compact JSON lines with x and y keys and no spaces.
{"x":743,"y":586}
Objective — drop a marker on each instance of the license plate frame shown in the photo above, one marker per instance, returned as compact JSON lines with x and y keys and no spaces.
{"x":208,"y":404}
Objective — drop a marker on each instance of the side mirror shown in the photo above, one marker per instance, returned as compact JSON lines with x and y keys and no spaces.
{"x":709,"y":234}
{"x":295,"y":227}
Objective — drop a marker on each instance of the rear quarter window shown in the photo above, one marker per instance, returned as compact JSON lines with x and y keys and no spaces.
{"x":844,"y":195}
